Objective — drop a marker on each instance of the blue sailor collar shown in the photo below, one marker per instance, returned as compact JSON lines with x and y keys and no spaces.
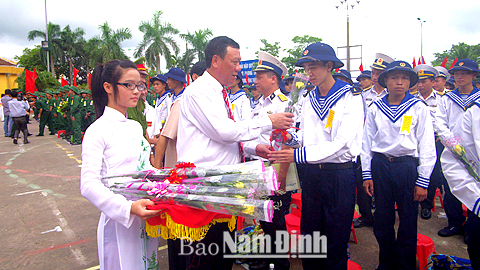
{"x":162,"y":98}
{"x":175,"y":97}
{"x":235,"y":96}
{"x":472,"y":97}
{"x":477,"y":102}
{"x":394,"y":112}
{"x":337,"y":91}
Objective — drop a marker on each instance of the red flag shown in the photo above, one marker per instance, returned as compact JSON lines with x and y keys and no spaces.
{"x":414,"y":64}
{"x":188,"y":79}
{"x":30,"y":81}
{"x":149,"y":77}
{"x":361,"y":67}
{"x":63,"y":82}
{"x":454,"y":62}
{"x":34,"y":74}
{"x":89,"y":81}
{"x":444,"y":62}
{"x":423,"y":61}
{"x":337,"y":70}
{"x":75,"y":73}
{"x":246,"y":76}
{"x":419,"y":62}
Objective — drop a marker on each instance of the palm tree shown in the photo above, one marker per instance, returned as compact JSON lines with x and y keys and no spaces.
{"x":157,"y":40}
{"x":199,"y":41}
{"x":185,"y":61}
{"x":108,"y":43}
{"x":73,"y":46}
{"x":55,"y":42}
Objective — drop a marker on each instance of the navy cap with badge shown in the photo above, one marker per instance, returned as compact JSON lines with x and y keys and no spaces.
{"x":465,"y":64}
{"x":268,"y":62}
{"x":159,"y":77}
{"x":319,"y":52}
{"x":425,"y":71}
{"x":343,"y":73}
{"x":443,"y":72}
{"x":398,"y":66}
{"x":176,"y":74}
{"x":381,"y":61}
{"x":365,"y":74}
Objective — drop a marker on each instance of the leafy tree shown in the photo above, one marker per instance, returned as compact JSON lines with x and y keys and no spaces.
{"x":460,"y":51}
{"x":108,"y":43}
{"x":199,"y":40}
{"x":45,"y":80}
{"x":73,"y":46}
{"x":157,"y":40}
{"x":31,"y":59}
{"x":55,"y":42}
{"x":185,"y":61}
{"x":272,"y":49}
{"x":295,"y":53}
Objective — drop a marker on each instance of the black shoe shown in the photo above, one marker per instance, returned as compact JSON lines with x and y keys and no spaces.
{"x":51,"y":133}
{"x":359,"y":223}
{"x":75,"y":143}
{"x":29,"y":134}
{"x":450,"y":231}
{"x":15,"y":141}
{"x":38,"y":135}
{"x":426,"y":213}
{"x":25,"y":142}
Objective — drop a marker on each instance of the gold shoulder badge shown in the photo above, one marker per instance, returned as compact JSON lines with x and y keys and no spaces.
{"x":305,"y":52}
{"x":355,"y":91}
{"x":282,"y":97}
{"x":402,"y":64}
{"x":441,"y":93}
{"x":368,"y":88}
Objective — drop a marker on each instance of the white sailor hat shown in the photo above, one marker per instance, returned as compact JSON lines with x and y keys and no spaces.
{"x":267,"y":62}
{"x":381,"y":61}
{"x":443,"y":72}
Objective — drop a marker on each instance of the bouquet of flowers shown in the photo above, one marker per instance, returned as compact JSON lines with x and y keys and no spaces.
{"x":61,"y":107}
{"x":239,"y":189}
{"x":462,"y":154}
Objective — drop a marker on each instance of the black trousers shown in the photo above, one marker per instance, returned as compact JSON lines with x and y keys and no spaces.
{"x":394,"y":182}
{"x":364,"y":201}
{"x":20,"y":124}
{"x":472,"y":227}
{"x":328,"y":202}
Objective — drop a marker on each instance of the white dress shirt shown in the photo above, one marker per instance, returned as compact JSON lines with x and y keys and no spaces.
{"x":383,"y":133}
{"x":370,"y":95}
{"x":113,"y":145}
{"x":461,"y":183}
{"x":277,"y":102}
{"x":206,"y":134}
{"x":432,"y":102}
{"x":336,"y":141}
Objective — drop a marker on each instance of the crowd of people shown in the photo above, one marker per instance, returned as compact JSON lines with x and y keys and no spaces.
{"x":379,"y":137}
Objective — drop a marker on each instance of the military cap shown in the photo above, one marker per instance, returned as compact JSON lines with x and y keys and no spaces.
{"x":425,"y":71}
{"x":465,"y":64}
{"x":381,"y":61}
{"x":268,"y":62}
{"x":365,"y":74}
{"x":443,"y":72}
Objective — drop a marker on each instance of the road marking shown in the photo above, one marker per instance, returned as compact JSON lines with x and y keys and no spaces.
{"x":58,"y":246}
{"x":29,"y":192}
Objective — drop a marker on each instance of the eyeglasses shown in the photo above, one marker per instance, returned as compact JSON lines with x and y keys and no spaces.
{"x":132,"y":86}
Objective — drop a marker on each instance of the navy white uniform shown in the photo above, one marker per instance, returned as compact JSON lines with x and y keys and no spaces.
{"x":462,"y":184}
{"x":240,"y":106}
{"x":162,"y":108}
{"x":370,"y":95}
{"x":448,"y":117}
{"x":398,"y":153}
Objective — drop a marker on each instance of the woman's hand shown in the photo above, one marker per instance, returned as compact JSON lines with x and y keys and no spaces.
{"x":139,"y":208}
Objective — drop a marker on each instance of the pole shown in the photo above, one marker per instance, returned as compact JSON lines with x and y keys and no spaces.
{"x":348,"y":42}
{"x":421,"y":39}
{"x":46,"y":37}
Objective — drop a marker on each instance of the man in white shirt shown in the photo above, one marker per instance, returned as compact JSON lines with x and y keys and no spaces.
{"x":441,"y":80}
{"x":329,"y":140}
{"x":207,"y":134}
{"x":377,"y":91}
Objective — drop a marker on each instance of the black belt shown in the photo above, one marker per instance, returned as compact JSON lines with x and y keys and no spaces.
{"x":395,"y":159}
{"x":335,"y":166}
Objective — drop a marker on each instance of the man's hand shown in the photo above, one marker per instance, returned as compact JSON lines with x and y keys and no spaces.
{"x":282,"y":156}
{"x":368,"y":186}
{"x":281,"y":120}
{"x":262,"y":150}
{"x":420,"y":194}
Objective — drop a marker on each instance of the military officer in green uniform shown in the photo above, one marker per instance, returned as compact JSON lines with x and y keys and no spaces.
{"x":76,"y":117}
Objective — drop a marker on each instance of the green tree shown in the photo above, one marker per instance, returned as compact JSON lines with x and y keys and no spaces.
{"x":199,"y":40}
{"x":185,"y":61}
{"x":157,"y":40}
{"x":108,"y":43}
{"x":31,"y":59}
{"x":272,"y":49}
{"x":295,"y":53}
{"x":73,"y":47}
{"x":45,"y":80}
{"x":55,"y":42}
{"x":460,"y":51}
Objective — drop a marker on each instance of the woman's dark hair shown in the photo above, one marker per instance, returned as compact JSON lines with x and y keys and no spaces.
{"x":109,"y":72}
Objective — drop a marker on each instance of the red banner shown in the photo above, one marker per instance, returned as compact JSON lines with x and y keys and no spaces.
{"x":444,"y":62}
{"x":63,"y":82}
{"x":361,"y":67}
{"x":30,"y":81}
{"x":414,"y":64}
{"x":89,"y":81}
{"x":75,"y":73}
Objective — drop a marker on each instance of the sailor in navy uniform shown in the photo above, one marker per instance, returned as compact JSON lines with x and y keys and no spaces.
{"x":239,"y":101}
{"x":427,"y":75}
{"x":365,"y":80}
{"x":328,"y":142}
{"x":377,"y":91}
{"x":162,"y":103}
{"x":441,"y":80}
{"x":398,"y":156}
{"x":451,"y":108}
{"x":463,"y":185}
{"x":343,"y":75}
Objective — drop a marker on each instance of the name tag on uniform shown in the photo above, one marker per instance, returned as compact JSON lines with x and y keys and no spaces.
{"x":406,"y":124}
{"x":328,"y":126}
{"x":233,"y":107}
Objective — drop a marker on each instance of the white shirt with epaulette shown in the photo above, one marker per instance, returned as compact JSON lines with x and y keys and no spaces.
{"x":277,"y":102}
{"x":431,"y":101}
{"x":370,"y":95}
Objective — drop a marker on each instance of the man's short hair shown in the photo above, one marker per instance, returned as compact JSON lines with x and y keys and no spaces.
{"x":198,"y":68}
{"x":14,"y":93}
{"x":218,"y":46}
{"x":8,"y":92}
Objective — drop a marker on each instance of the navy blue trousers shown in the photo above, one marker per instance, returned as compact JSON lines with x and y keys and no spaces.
{"x":328,"y":202}
{"x":472,"y":227}
{"x":394,"y":182}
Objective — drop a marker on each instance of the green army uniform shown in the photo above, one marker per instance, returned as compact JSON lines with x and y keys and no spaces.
{"x":136,"y":113}
{"x":44,"y":113}
{"x":150,"y":100}
{"x":90,"y":111}
{"x":76,"y":117}
{"x":83,"y":111}
{"x":51,"y":106}
{"x":57,"y":123}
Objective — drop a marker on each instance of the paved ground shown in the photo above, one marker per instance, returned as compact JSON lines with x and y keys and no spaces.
{"x":40,"y":191}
